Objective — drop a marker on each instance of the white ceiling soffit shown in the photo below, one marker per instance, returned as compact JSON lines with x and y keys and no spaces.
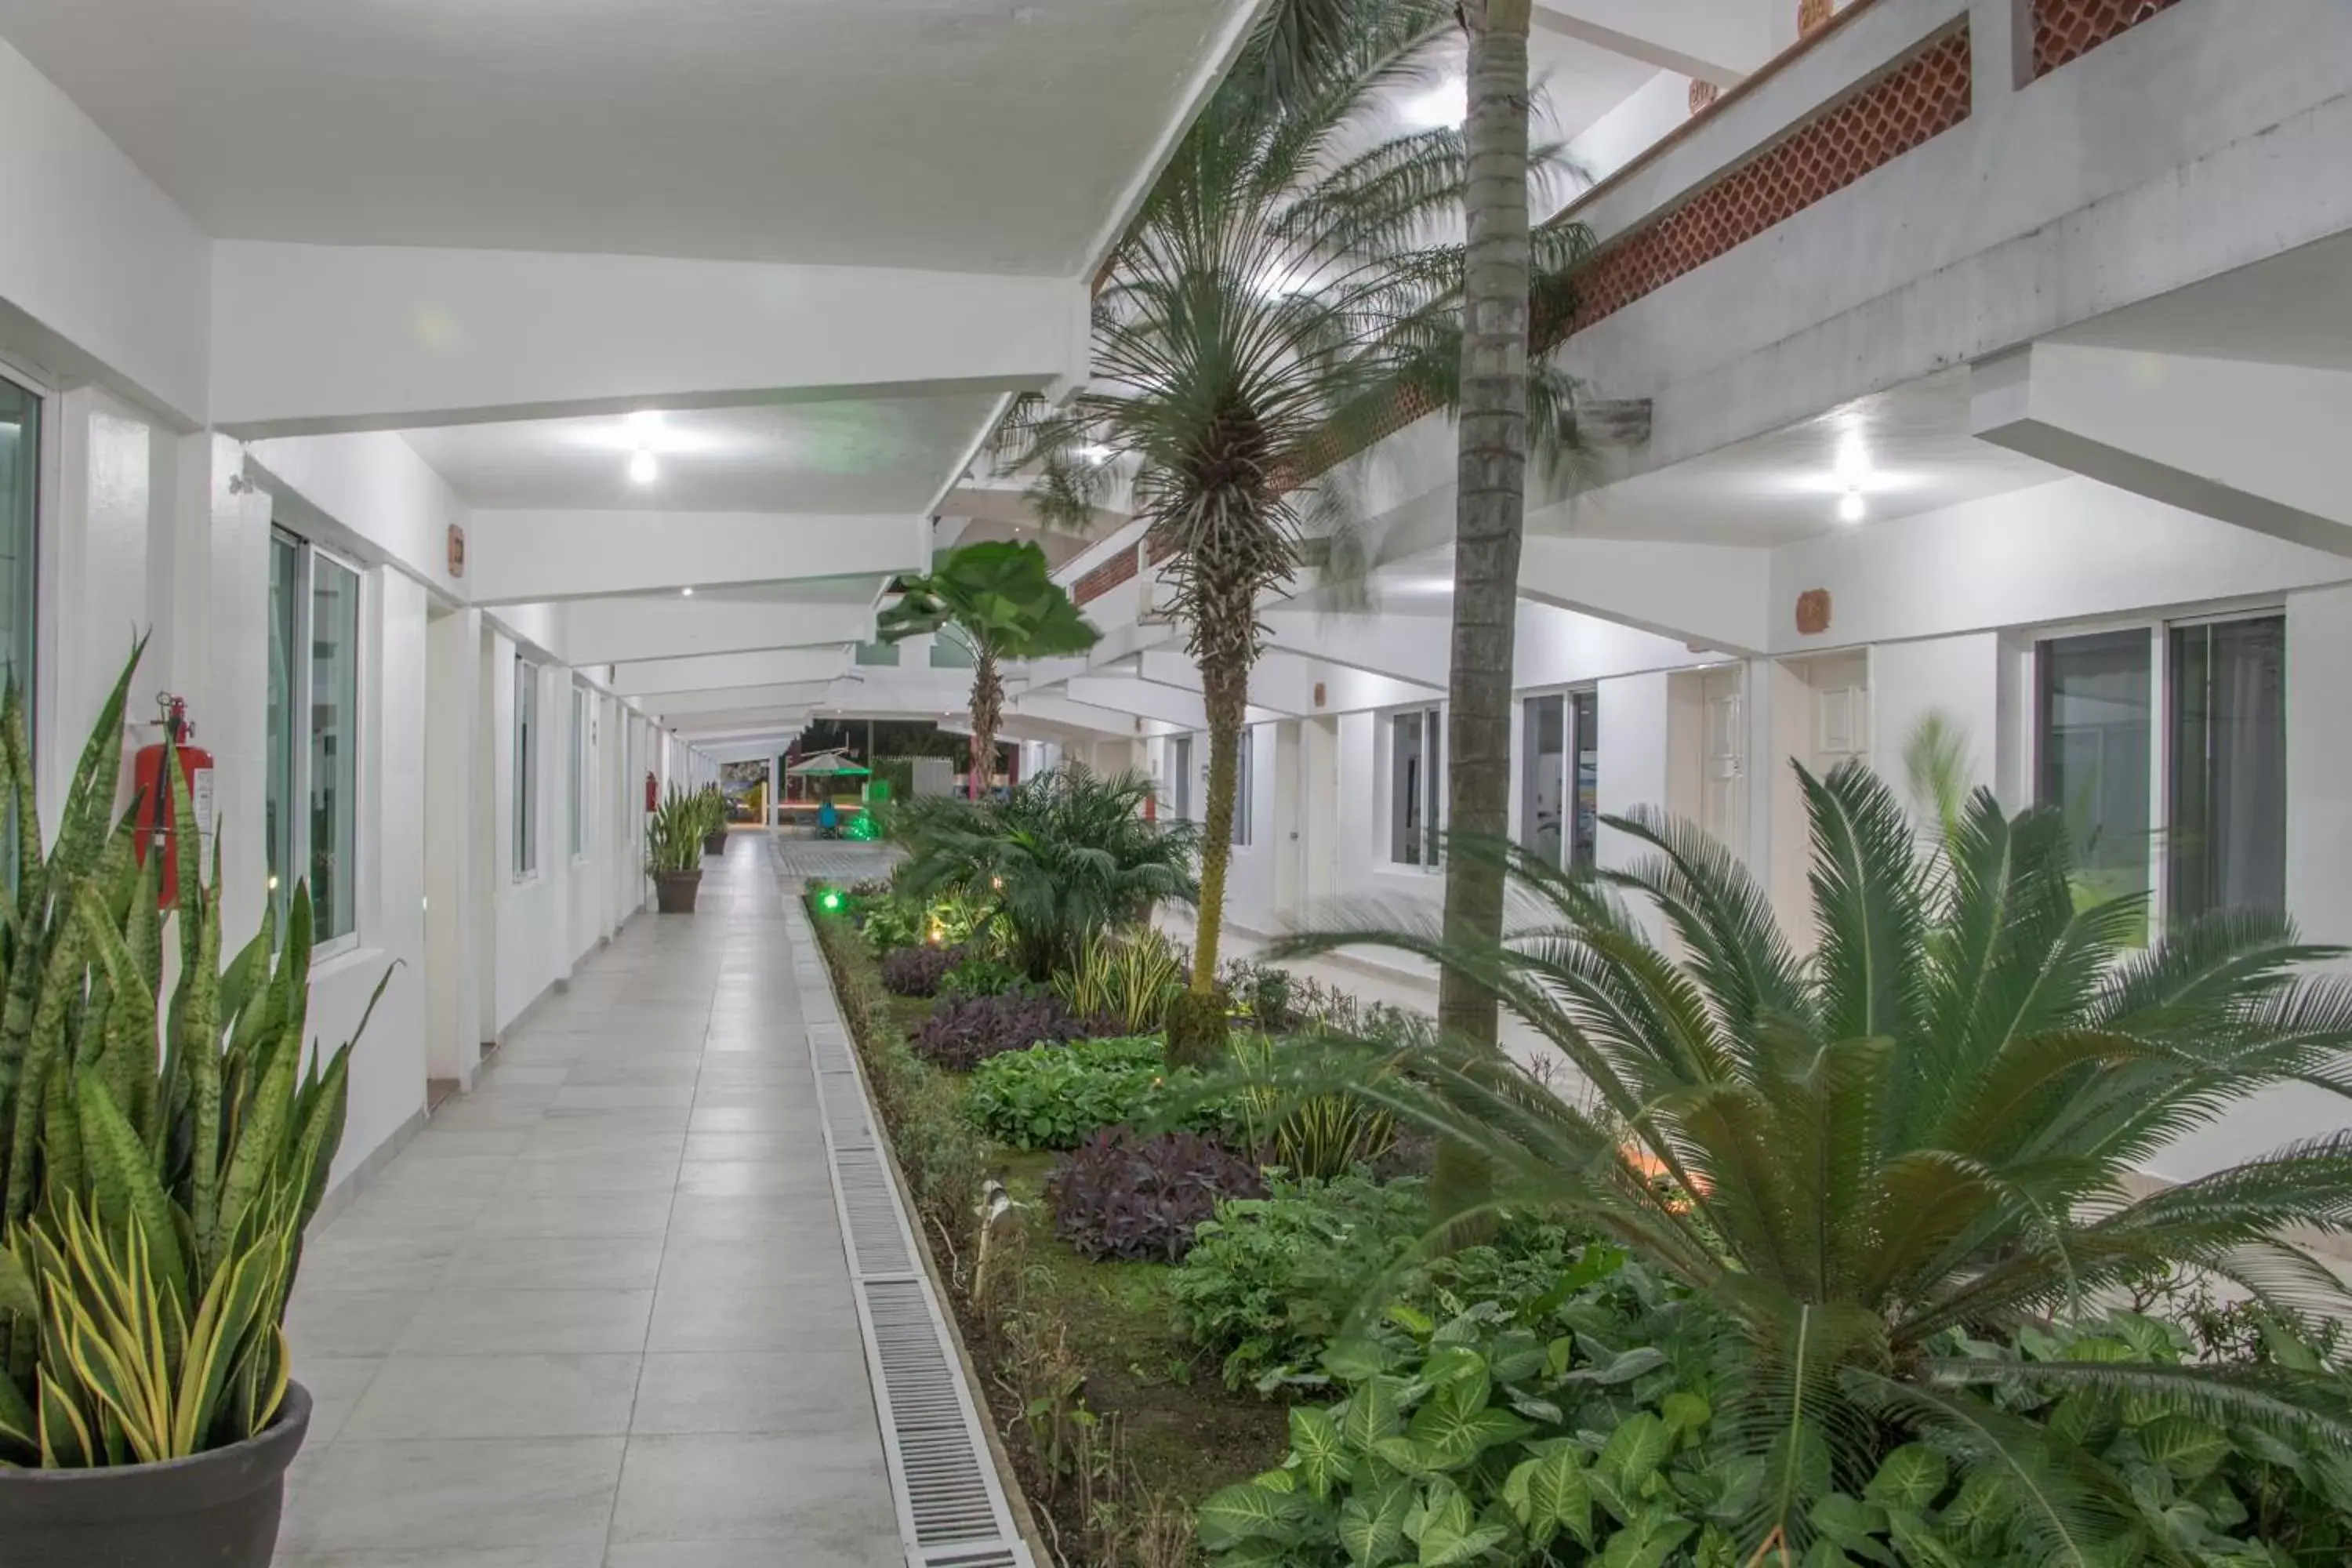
{"x":1905,"y":452}
{"x":881,"y":455}
{"x":962,"y":135}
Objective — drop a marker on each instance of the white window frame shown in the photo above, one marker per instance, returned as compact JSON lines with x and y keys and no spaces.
{"x":308,"y":553}
{"x":581,"y":722}
{"x":2159,"y":630}
{"x":1180,"y":777}
{"x":1432,"y":789}
{"x":1244,"y":785}
{"x":523,"y":742}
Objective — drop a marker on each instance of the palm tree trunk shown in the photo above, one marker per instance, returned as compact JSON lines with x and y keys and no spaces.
{"x":1225,"y":694}
{"x":987,"y":712}
{"x":1491,"y":491}
{"x":1196,"y":1020}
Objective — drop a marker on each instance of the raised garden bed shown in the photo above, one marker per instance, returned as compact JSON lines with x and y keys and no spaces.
{"x":1116,"y":1424}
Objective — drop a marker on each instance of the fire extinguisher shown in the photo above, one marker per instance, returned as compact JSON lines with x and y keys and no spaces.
{"x":653,"y":792}
{"x":158,"y":813}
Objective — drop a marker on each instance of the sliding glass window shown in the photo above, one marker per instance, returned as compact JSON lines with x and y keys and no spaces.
{"x":310,"y":775}
{"x":2228,"y":775}
{"x":2220,"y":832}
{"x":20,"y":472}
{"x":2096,"y":723}
{"x":1560,"y":779}
{"x":1416,"y":778}
{"x":526,"y":769}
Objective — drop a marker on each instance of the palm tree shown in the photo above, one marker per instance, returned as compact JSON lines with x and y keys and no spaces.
{"x":999,"y":600}
{"x":1276,"y":302}
{"x":1923,"y":1135}
{"x":1490,"y":489}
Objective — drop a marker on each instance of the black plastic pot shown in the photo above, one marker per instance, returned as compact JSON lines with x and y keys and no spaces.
{"x":715,"y":843}
{"x":674,"y":894}
{"x":216,"y":1511}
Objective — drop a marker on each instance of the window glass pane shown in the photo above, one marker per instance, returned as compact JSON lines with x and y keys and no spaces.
{"x":2227,"y":836}
{"x":526,"y":767}
{"x":1409,"y":774}
{"x":947,"y":653}
{"x":1244,"y":787}
{"x":877,"y":653}
{"x":1584,"y":822}
{"x":579,"y":770}
{"x":1179,"y":779}
{"x":2093,"y":713}
{"x":1433,"y":773}
{"x":1543,"y":778}
{"x":334,"y":746}
{"x":20,"y":469}
{"x":278,"y":785}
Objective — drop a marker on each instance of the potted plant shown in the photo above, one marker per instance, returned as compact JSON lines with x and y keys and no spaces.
{"x":675,"y":839}
{"x":714,"y":837}
{"x":161,"y":1159}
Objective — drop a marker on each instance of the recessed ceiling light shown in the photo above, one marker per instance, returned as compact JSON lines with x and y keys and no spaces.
{"x":686,"y":593}
{"x":1850,"y":508}
{"x":643,"y":469}
{"x":1446,"y":104}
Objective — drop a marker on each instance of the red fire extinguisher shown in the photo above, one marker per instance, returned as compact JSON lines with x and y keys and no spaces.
{"x":158,"y":813}
{"x":653,"y":792}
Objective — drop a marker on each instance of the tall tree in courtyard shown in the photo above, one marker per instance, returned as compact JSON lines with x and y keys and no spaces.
{"x":1491,"y":489}
{"x":1273,"y":292}
{"x":998,"y":599}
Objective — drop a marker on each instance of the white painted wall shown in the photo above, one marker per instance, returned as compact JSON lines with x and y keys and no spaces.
{"x":102,"y":277}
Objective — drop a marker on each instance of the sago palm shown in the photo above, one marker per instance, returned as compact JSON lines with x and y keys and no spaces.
{"x":1288,"y":288}
{"x":1925,"y":1132}
{"x":1066,"y":857}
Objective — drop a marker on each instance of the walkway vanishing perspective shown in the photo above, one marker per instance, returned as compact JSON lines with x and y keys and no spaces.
{"x":596,"y":1314}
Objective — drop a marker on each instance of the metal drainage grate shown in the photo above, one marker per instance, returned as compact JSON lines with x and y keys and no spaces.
{"x":952,"y":1511}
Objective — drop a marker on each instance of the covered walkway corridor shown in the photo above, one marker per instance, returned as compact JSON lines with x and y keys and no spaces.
{"x":596,"y":1314}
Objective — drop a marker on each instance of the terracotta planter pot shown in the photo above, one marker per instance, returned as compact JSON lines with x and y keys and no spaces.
{"x":715,"y":843}
{"x":216,"y":1511}
{"x":674,"y":892}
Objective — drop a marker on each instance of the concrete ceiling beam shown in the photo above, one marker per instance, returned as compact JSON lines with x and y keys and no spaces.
{"x":629,"y":630}
{"x":658,"y":678}
{"x":520,"y":556}
{"x":314,"y":338}
{"x":1721,"y":41}
{"x":2254,"y":444}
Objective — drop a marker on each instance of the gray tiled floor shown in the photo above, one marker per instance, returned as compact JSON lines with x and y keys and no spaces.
{"x":596,"y":1314}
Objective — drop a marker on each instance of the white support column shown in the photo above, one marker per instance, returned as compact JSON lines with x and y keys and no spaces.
{"x":454,"y":767}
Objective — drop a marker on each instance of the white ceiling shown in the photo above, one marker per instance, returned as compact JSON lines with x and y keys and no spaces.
{"x":978,"y":135}
{"x":1786,"y":485}
{"x":881,"y":455}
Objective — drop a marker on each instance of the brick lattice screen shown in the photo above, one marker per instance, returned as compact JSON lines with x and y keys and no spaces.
{"x":1914,"y":100}
{"x":2066,"y":30}
{"x":1120,"y":568}
{"x":1917,"y":99}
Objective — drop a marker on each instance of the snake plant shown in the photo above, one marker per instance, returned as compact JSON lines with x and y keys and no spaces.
{"x":161,"y":1158}
{"x":674,"y":835}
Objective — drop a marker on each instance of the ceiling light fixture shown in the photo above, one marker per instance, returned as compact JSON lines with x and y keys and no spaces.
{"x":1850,"y":508}
{"x":643,"y":469}
{"x":686,"y":593}
{"x":1443,"y":107}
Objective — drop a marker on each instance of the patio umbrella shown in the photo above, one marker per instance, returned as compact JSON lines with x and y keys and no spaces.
{"x":828,"y":765}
